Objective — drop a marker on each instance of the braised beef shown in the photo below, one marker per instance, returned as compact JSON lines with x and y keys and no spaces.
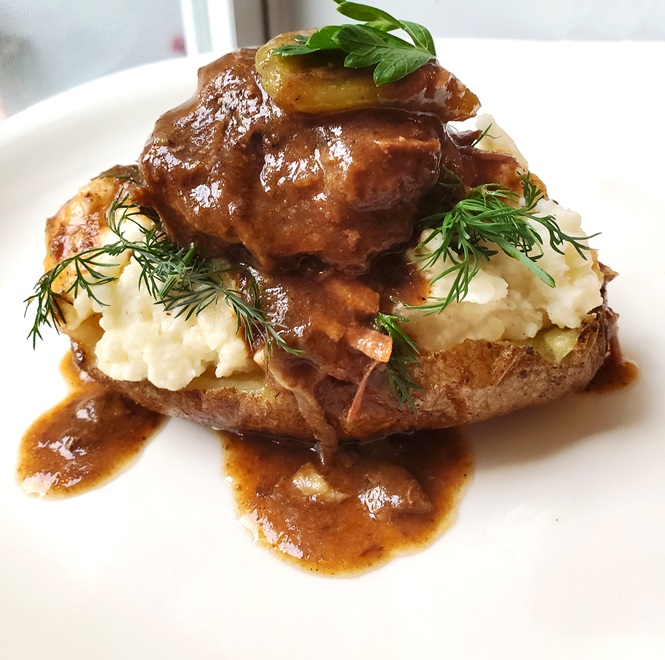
{"x":230,"y":167}
{"x":390,"y":490}
{"x":475,"y":167}
{"x":329,"y":318}
{"x":314,"y":204}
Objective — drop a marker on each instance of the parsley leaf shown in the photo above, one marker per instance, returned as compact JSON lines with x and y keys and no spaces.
{"x":371,"y":15}
{"x":394,"y":57}
{"x":370,"y":44}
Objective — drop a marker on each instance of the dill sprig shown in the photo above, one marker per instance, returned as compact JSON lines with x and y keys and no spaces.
{"x":50,"y":303}
{"x":490,"y":219}
{"x":404,"y":353}
{"x":485,"y":133}
{"x":175,"y":277}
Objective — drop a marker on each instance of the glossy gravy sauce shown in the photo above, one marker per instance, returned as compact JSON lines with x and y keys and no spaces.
{"x":616,"y":372}
{"x":368,"y":503}
{"x":85,"y":440}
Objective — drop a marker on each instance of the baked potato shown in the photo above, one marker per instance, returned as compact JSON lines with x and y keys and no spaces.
{"x":469,"y":382}
{"x":255,"y":271}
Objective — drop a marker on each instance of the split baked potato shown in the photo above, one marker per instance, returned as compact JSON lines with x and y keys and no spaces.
{"x":472,"y":381}
{"x":273,"y":216}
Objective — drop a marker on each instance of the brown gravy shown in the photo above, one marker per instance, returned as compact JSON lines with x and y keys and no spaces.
{"x":85,"y":440}
{"x":368,"y":504}
{"x":616,"y":372}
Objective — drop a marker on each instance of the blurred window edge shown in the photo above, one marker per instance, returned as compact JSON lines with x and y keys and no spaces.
{"x":34,"y":33}
{"x":49,"y":46}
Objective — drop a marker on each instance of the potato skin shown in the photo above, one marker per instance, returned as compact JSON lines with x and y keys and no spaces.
{"x":468,"y":383}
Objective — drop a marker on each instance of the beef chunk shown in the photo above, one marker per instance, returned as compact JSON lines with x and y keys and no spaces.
{"x":230,"y":168}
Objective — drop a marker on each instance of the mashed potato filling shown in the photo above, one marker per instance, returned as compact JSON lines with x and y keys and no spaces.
{"x":142,"y":340}
{"x":506,"y":301}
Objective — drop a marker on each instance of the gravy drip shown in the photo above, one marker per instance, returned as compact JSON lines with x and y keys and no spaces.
{"x":616,"y":372}
{"x":85,"y":440}
{"x":368,"y":503}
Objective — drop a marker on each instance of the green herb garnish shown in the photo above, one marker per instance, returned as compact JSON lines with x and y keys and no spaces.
{"x":476,"y":226}
{"x":404,"y":353}
{"x":177,"y":278}
{"x":369,"y":44}
{"x":483,"y":134}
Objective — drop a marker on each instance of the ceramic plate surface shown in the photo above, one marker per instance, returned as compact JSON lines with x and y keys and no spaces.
{"x":559,"y":544}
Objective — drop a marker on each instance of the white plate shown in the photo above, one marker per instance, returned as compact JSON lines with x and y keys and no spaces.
{"x":559,"y":547}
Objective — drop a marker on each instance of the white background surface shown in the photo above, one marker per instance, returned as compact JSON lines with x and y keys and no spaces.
{"x":517,"y":19}
{"x":47,"y":46}
{"x":558,"y":549}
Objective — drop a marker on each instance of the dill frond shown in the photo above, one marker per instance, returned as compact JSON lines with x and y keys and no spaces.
{"x":490,"y":219}
{"x":175,"y":277}
{"x":404,"y":353}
